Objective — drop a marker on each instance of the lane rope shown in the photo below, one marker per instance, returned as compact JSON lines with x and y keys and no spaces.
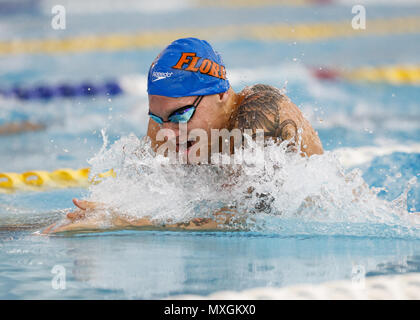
{"x":137,"y":84}
{"x":274,"y":32}
{"x":62,"y":90}
{"x":396,"y":75}
{"x":38,"y":180}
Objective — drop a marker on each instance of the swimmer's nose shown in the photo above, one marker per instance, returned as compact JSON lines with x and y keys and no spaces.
{"x":172,"y":126}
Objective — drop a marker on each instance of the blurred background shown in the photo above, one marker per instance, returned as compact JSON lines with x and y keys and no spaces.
{"x":359,"y":88}
{"x":63,"y":79}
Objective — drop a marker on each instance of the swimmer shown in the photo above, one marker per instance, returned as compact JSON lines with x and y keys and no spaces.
{"x":187,"y":83}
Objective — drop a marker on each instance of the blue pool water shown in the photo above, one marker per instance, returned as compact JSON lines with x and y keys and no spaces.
{"x":283,"y":247}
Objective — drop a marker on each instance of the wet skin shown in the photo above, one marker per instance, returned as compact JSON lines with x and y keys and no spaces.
{"x":257,"y":107}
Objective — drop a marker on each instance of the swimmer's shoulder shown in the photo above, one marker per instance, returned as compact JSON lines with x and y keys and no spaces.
{"x":260,"y":94}
{"x":265,"y":107}
{"x":259,"y":107}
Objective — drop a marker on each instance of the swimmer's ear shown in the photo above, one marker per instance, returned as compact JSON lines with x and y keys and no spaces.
{"x":223,"y":96}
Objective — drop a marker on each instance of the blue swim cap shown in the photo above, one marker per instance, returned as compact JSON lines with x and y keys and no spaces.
{"x":187,"y":67}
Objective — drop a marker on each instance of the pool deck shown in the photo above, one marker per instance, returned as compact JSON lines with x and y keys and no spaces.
{"x":406,"y":287}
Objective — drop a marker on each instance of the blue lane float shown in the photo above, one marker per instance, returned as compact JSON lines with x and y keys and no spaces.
{"x":63,"y":90}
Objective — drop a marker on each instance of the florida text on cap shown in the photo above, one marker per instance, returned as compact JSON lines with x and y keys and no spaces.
{"x":187,"y":67}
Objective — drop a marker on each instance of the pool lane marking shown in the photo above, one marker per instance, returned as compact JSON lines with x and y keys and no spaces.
{"x":273,"y":32}
{"x":70,"y":178}
{"x":395,"y":75}
{"x":38,"y":180}
{"x":137,"y":84}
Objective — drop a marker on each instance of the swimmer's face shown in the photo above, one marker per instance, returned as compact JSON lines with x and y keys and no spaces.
{"x":211,"y":113}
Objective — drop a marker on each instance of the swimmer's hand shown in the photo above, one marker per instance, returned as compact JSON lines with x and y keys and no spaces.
{"x":91,"y":215}
{"x":80,"y":219}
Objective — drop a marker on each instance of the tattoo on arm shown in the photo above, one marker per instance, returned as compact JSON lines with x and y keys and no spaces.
{"x":260,"y":109}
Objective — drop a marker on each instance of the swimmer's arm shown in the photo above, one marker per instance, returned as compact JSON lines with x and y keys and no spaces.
{"x":89,"y":216}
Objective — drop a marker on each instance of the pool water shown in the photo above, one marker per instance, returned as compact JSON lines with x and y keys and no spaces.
{"x":380,"y":236}
{"x":153,"y":265}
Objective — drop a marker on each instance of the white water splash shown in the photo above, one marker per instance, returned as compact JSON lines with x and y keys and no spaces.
{"x":289,"y":194}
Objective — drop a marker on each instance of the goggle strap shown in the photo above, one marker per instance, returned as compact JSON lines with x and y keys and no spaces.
{"x":197,"y":100}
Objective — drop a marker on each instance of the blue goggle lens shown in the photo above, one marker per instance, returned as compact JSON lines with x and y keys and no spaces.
{"x":182,"y":116}
{"x":156,"y":118}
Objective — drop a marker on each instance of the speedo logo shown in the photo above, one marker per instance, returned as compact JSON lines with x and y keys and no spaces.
{"x":198,"y":64}
{"x":161,"y":75}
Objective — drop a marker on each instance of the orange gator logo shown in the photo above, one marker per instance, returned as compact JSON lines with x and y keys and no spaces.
{"x":206,"y":67}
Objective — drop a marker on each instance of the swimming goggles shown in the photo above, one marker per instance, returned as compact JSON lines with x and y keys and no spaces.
{"x":182,"y":115}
